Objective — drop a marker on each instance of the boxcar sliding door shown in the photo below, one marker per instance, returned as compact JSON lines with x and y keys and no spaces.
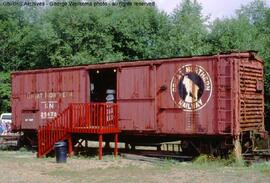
{"x":136,"y":98}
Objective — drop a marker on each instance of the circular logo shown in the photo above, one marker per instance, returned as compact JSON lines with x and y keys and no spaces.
{"x":191,"y":87}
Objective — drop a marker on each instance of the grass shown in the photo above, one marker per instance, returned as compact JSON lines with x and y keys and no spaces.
{"x":166,"y":164}
{"x":262,"y":167}
{"x":64,"y":173}
{"x":23,"y":164}
{"x":211,"y":161}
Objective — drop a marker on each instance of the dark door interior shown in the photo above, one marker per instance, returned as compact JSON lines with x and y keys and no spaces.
{"x":102,"y":80}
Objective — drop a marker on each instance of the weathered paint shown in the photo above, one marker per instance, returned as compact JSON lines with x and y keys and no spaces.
{"x":136,"y":98}
{"x":251,"y":95}
{"x":184,"y":118}
{"x":38,"y":97}
{"x":152,"y":94}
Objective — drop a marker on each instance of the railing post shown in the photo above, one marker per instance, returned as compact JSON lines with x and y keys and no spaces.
{"x":116,"y":116}
{"x":70,"y":116}
{"x":100,"y":146}
{"x":87,"y":115}
{"x":115,"y":145}
{"x":39,"y":144}
{"x":70,"y":148}
{"x":101,"y":117}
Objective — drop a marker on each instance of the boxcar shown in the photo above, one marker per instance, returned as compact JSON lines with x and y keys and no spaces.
{"x":205,"y":101}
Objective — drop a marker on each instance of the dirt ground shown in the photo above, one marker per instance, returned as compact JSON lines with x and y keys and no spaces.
{"x":24,"y":167}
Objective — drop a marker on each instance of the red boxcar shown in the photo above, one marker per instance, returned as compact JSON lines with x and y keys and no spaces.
{"x":218,"y":97}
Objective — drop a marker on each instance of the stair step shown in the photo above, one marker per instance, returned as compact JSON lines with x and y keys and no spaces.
{"x":76,"y":119}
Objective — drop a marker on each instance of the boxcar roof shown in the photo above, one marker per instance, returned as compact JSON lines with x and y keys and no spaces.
{"x":130,"y":63}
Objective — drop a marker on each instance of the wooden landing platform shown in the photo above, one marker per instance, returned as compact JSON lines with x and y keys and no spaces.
{"x":94,"y":130}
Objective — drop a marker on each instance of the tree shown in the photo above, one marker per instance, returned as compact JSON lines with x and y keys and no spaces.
{"x":139,"y":32}
{"x":12,"y":23}
{"x":189,"y":31}
{"x":233,"y":34}
{"x":5,"y":92}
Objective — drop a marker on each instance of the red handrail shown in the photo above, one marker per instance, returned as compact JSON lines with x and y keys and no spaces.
{"x":99,"y":118}
{"x":96,"y":117}
{"x":52,"y":132}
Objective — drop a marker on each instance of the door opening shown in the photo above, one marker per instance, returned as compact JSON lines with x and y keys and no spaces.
{"x":103,"y":85}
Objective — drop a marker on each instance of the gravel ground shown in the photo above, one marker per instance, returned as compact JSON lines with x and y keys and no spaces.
{"x":24,"y":167}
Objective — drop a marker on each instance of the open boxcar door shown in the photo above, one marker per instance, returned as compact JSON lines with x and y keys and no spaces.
{"x":136,"y":98}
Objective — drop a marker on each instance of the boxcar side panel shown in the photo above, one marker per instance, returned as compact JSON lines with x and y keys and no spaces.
{"x":39,"y":97}
{"x":136,"y":98}
{"x":187,"y":98}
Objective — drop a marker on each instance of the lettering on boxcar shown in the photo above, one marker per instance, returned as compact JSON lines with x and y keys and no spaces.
{"x":191,"y":87}
{"x":48,"y":109}
{"x":48,"y":102}
{"x":48,"y":115}
{"x":48,"y":95}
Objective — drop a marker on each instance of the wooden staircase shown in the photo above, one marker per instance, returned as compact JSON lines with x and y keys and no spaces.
{"x":96,"y":118}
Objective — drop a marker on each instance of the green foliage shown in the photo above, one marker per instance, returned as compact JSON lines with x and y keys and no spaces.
{"x":5,"y":92}
{"x":243,"y":32}
{"x":12,"y":24}
{"x":189,"y":32}
{"x":232,"y":34}
{"x":79,"y":35}
{"x":34,"y":37}
{"x":211,"y":161}
{"x":138,"y":32}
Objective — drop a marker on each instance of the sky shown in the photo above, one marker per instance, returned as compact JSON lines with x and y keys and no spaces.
{"x":214,"y":8}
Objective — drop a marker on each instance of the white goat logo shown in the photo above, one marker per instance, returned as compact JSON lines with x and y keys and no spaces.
{"x":192,"y":90}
